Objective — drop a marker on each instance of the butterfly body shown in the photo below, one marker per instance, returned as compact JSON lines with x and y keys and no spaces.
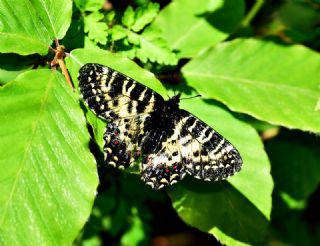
{"x":169,"y":141}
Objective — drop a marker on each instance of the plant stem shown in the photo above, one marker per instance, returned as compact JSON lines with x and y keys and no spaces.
{"x":252,"y":13}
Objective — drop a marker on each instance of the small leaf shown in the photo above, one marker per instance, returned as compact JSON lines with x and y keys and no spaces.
{"x":274,"y":83}
{"x":89,"y":5}
{"x":128,"y":17}
{"x":118,"y":32}
{"x":97,"y":31}
{"x":144,"y":15}
{"x":133,"y":38}
{"x":48,"y":176}
{"x":29,"y":27}
{"x":155,"y":49}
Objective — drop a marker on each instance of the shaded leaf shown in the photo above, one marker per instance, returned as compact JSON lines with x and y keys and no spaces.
{"x":295,"y":163}
{"x":11,"y":65}
{"x":219,"y":209}
{"x":48,"y":177}
{"x":274,"y":83}
{"x":28,"y":27}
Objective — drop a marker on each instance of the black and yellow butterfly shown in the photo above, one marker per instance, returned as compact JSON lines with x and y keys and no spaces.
{"x":170,"y":141}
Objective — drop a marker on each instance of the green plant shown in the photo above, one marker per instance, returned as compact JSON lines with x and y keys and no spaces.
{"x":51,"y":145}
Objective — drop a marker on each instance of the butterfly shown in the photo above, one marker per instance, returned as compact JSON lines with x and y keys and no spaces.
{"x":168,"y":142}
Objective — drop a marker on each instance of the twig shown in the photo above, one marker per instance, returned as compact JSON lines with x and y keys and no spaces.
{"x":58,"y":59}
{"x":252,"y":13}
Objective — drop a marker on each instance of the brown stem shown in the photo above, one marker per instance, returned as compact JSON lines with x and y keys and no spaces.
{"x":58,"y":59}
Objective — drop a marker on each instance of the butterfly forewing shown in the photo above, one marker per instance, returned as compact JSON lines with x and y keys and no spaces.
{"x":171,"y":141}
{"x":110,"y":94}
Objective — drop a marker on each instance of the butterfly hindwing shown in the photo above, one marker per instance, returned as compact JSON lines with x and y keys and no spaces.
{"x":122,"y":141}
{"x":171,"y":142}
{"x":205,"y":153}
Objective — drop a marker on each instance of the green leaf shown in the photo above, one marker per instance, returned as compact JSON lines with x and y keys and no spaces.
{"x":118,"y":32}
{"x":134,"y":38}
{"x":254,"y":181}
{"x":155,"y":49}
{"x":128,"y":17}
{"x":240,"y":208}
{"x":48,"y":177}
{"x":274,"y":83}
{"x":28,"y":27}
{"x":252,"y":187}
{"x":219,"y":209}
{"x":89,"y":5}
{"x":144,"y":15}
{"x":192,"y":26}
{"x":295,"y":163}
{"x":97,"y":31}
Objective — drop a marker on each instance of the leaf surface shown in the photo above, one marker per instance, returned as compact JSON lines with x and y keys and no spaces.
{"x":230,"y":209}
{"x":48,"y":176}
{"x":274,"y":83}
{"x":193,"y":26}
{"x":28,"y":27}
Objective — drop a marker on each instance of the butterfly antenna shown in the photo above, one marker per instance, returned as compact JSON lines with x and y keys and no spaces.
{"x":191,"y":97}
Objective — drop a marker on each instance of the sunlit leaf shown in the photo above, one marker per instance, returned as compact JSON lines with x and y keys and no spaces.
{"x":274,"y":83}
{"x":28,"y":27}
{"x":48,"y":176}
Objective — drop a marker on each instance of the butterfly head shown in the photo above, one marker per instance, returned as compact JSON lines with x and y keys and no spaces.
{"x":175,"y":100}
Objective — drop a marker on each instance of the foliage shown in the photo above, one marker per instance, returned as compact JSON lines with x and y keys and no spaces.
{"x":51,"y":144}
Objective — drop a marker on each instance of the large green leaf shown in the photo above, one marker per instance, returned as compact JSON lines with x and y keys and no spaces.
{"x":191,"y":26}
{"x":252,"y":187}
{"x":231,"y":212}
{"x":28,"y":27}
{"x":275,"y":83}
{"x":48,"y":177}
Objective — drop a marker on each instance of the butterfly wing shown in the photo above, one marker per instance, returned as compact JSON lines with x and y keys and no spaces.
{"x":204,"y":152}
{"x":193,"y":148}
{"x":115,"y":97}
